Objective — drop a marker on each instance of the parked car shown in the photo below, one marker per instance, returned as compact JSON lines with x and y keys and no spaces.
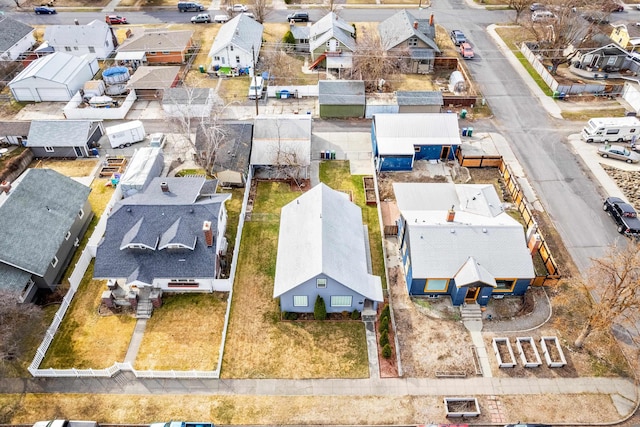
{"x":619,"y":152}
{"x":238,"y":7}
{"x":298,"y":17}
{"x":44,"y":10}
{"x":201,"y":18}
{"x":220,"y":19}
{"x":612,"y":6}
{"x":189,"y":6}
{"x":542,"y":16}
{"x":116,"y":19}
{"x":624,"y":215}
{"x":536,"y":6}
{"x":457,"y":37}
{"x":466,"y":50}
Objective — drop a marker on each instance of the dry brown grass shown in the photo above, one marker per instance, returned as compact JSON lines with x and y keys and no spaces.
{"x":234,"y":89}
{"x":273,"y":32}
{"x":71,"y":168}
{"x":184,"y":334}
{"x":100,"y":195}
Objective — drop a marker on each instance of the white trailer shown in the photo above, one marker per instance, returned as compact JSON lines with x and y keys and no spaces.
{"x":125,"y":134}
{"x":614,"y":129}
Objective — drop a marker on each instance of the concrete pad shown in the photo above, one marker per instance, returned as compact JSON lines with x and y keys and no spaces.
{"x":42,"y":111}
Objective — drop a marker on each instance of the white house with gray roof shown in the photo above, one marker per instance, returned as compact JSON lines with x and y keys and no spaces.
{"x":332,"y":42}
{"x":64,"y":138}
{"x":457,"y":240}
{"x":44,"y":215}
{"x":93,"y":38}
{"x":15,"y":38}
{"x":405,"y":35}
{"x":237,"y":44}
{"x":55,"y":77}
{"x":169,"y":237}
{"x":323,"y":250}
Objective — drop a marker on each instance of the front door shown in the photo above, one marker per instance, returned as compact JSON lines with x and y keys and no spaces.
{"x":444,"y":153}
{"x":472,"y":294}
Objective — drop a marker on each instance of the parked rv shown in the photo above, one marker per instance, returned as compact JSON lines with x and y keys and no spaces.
{"x":614,"y":129}
{"x":125,"y":134}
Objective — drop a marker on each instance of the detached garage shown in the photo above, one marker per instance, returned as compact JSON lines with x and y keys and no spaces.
{"x":55,"y":77}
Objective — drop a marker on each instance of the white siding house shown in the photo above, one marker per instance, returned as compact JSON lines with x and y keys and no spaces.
{"x":15,"y":38}
{"x":95,"y":38}
{"x":236,"y":43}
{"x":55,"y":77}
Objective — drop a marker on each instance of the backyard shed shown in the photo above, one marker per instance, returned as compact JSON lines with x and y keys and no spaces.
{"x":147,"y":163}
{"x":341,"y":99}
{"x":419,"y":101}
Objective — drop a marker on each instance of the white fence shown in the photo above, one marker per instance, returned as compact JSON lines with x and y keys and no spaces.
{"x":98,"y":232}
{"x":73,"y":111}
{"x":301,"y":91}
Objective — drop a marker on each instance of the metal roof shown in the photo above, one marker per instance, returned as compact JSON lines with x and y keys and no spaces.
{"x":35,"y":217}
{"x":321,"y":232}
{"x":58,"y":67}
{"x":419,"y":97}
{"x":59,"y":133}
{"x":399,"y":133}
{"x":241,"y":32}
{"x":341,"y":92}
{"x":188,"y":96}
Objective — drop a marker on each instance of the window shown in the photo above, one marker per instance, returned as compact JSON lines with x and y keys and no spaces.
{"x":505,"y":285}
{"x":54,"y":262}
{"x":67,"y":48}
{"x":436,"y":285}
{"x":216,"y":58}
{"x":407,"y":264}
{"x":152,"y":53}
{"x":321,"y":283}
{"x":237,"y":59}
{"x":81,"y":214}
{"x":413,"y":41}
{"x":48,"y":149}
{"x":611,"y":60}
{"x":613,"y":131}
{"x":67,"y":236}
{"x":231,"y":48}
{"x":300,"y":301}
{"x":166,"y":53}
{"x":76,"y":243}
{"x":416,"y":149}
{"x":341,"y":301}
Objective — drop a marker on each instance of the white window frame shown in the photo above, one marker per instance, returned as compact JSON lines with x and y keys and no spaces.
{"x":54,"y":262}
{"x":92,"y":49}
{"x":337,"y":300}
{"x":66,"y":237}
{"x":298,"y":301}
{"x":49,"y":149}
{"x":81,"y":214}
{"x":321,"y":283}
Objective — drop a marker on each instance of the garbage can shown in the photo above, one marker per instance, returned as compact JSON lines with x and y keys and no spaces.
{"x":556,"y":94}
{"x":469,"y":131}
{"x":94,"y":151}
{"x":201,"y":68}
{"x":278,"y":94}
{"x":327,"y":155}
{"x":322,"y":155}
{"x":464,"y":131}
{"x":333,"y":154}
{"x":284,"y":94}
{"x":463,"y":114}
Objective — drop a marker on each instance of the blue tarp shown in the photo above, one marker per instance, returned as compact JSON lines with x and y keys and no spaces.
{"x":114,"y":71}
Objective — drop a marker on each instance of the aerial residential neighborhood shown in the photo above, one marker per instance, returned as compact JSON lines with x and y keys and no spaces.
{"x":361,"y":212}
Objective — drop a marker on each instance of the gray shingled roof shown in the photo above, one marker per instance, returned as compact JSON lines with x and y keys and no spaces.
{"x":157,"y":41}
{"x":401,"y":26}
{"x":300,"y":32}
{"x":235,"y":148}
{"x":190,"y":96}
{"x":14,"y":128}
{"x":12,"y":32}
{"x":331,"y":26}
{"x":154,"y":77}
{"x":95,"y":33}
{"x":59,"y":133}
{"x":419,"y":98}
{"x":154,"y":216}
{"x":242,"y":32}
{"x":13,"y":279}
{"x":341,"y":92}
{"x":36,"y":215}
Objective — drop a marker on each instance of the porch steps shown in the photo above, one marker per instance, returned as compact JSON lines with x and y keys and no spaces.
{"x":144,"y":310}
{"x":470,"y":312}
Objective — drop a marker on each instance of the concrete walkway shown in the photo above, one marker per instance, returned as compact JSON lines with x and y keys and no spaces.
{"x":136,"y":340}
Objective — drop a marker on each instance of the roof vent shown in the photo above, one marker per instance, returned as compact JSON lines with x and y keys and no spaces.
{"x":484,"y":230}
{"x":164,"y":186}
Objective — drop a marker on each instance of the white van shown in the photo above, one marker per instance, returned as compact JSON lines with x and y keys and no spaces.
{"x":542,"y":15}
{"x":256,"y":87}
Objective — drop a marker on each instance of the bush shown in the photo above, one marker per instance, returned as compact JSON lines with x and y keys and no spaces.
{"x":384,"y":324}
{"x":384,"y":338}
{"x":355,"y":315}
{"x":289,"y":315}
{"x":386,"y":351}
{"x":386,"y":312}
{"x":319,"y":309}
{"x":288,"y":38}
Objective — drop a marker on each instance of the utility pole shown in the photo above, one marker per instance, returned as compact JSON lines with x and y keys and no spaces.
{"x":254,"y":79}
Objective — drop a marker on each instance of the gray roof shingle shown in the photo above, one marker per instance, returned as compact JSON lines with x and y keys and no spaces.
{"x":401,"y":26}
{"x":242,"y":32}
{"x":12,"y":32}
{"x":36,"y":215}
{"x":234,"y":149}
{"x":341,"y":92}
{"x":14,"y":128}
{"x":59,"y":133}
{"x":331,"y":26}
{"x":419,"y":98}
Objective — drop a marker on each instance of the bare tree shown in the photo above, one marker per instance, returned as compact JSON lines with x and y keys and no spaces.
{"x":288,"y":157}
{"x":261,"y":9}
{"x":17,"y":321}
{"x":210,"y":135}
{"x":519,"y":6}
{"x":614,"y":280}
{"x":372,"y":63}
{"x":283,"y":68}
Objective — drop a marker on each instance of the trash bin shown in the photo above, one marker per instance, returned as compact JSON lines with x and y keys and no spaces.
{"x":322,"y":155}
{"x":278,"y":94}
{"x":464,"y":131}
{"x":333,"y":154}
{"x":201,"y":68}
{"x":327,"y":155}
{"x":469,"y":131}
{"x":562,"y":96}
{"x":556,"y":94}
{"x":284,"y":94}
{"x":94,"y":151}
{"x":463,"y":114}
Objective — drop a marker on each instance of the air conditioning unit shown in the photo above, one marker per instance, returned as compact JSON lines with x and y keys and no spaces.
{"x":433,"y":296}
{"x":498,"y":296}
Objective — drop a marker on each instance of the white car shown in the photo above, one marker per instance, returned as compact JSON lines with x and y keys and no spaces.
{"x":221,"y":19}
{"x":238,"y":7}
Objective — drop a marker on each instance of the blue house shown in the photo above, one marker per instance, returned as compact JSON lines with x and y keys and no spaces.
{"x":400,"y":139}
{"x":456,"y":240}
{"x":322,"y":251}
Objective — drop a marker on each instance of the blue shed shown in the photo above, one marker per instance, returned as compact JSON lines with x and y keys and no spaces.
{"x":400,"y":139}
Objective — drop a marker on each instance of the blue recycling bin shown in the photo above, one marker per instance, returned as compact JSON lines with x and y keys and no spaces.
{"x":464,"y":131}
{"x":327,"y":155}
{"x":284,"y":94}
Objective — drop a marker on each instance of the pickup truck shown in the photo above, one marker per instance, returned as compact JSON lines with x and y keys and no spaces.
{"x":65,"y":423}
{"x":624,"y":215}
{"x":182,"y":424}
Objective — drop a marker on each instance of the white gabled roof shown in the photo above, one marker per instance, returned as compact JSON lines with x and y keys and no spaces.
{"x":472,"y":272}
{"x":321,"y":232}
{"x":58,"y":67}
{"x":400,"y":133}
{"x":93,"y":34}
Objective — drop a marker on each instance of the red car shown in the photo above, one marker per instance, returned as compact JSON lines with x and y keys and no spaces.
{"x":116,"y":19}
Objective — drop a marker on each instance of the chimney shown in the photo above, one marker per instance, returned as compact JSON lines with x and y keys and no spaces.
{"x":431,"y":20}
{"x":5,"y":186}
{"x":208,"y":233}
{"x":451,"y":214}
{"x":415,"y":25}
{"x":164,"y":187}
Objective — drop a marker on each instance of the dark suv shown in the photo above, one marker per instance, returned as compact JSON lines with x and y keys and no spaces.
{"x":624,"y":215}
{"x":298,"y":17}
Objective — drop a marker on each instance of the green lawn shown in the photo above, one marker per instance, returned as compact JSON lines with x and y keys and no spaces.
{"x":336,"y":175}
